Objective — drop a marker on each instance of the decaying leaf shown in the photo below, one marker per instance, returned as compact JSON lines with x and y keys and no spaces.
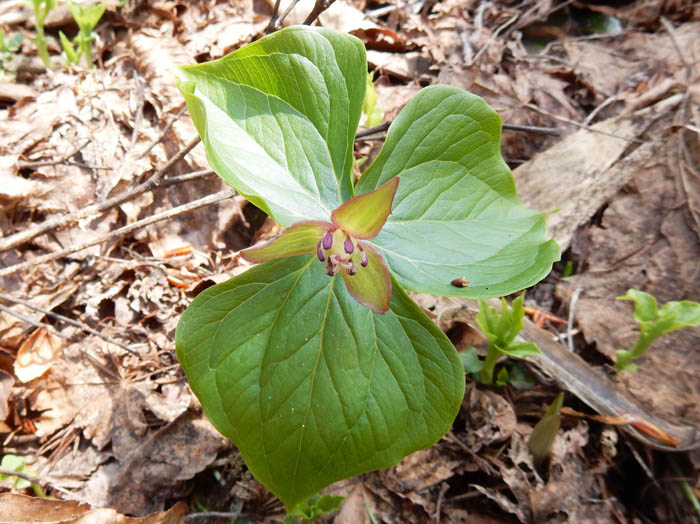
{"x":20,"y":509}
{"x":37,"y":354}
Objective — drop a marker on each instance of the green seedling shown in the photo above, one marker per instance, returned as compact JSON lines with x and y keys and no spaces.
{"x":9,"y":45}
{"x":41,"y":11}
{"x":87,"y":19}
{"x":500,"y":329}
{"x":654,"y":322}
{"x":16,"y":464}
{"x":315,"y":362}
{"x":374,"y":112}
{"x":317,"y":506}
{"x":545,"y":431}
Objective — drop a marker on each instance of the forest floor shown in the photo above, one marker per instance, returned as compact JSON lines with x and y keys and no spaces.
{"x":111,"y":223}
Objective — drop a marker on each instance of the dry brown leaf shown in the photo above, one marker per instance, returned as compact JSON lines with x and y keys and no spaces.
{"x":6,"y":383}
{"x":37,"y":354}
{"x":570,"y":178}
{"x":20,"y":509}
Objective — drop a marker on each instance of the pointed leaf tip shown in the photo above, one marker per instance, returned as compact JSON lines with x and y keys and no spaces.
{"x":363,"y":216}
{"x":298,"y":239}
{"x":371,"y":286}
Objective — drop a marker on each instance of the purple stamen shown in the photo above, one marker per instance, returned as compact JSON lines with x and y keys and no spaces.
{"x":329,"y":268}
{"x":348,"y":245}
{"x":351,"y":268}
{"x":328,"y":240}
{"x":319,"y":251}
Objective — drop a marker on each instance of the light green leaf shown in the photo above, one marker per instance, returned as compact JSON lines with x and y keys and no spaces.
{"x":456,"y":213}
{"x":86,"y":16}
{"x":316,"y":74}
{"x":520,"y":349}
{"x":545,"y":431}
{"x":298,"y":239}
{"x":311,"y":386}
{"x":654,"y":322}
{"x":645,"y":307}
{"x":363,"y":216}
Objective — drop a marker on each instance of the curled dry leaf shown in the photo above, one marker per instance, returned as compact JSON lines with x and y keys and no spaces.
{"x":16,"y":509}
{"x":37,"y":354}
{"x":6,"y":383}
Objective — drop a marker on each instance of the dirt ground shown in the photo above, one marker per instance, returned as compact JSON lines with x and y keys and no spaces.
{"x":111,"y":223}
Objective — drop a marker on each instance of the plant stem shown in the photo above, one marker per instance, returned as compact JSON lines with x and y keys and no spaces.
{"x":626,"y":356}
{"x":492,"y":355}
{"x":41,"y":45}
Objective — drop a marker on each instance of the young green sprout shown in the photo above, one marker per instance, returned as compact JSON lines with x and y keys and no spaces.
{"x":654,"y":322}
{"x":41,"y":10}
{"x":87,"y":19}
{"x":500,"y":329}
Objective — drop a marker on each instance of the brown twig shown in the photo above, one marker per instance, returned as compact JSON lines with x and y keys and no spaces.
{"x":185,"y":208}
{"x":138,"y":115}
{"x":287,"y":11}
{"x":30,"y":321}
{"x":37,"y":481}
{"x":510,"y":127}
{"x":212,"y":514}
{"x":272,"y":25}
{"x":42,"y":163}
{"x":165,"y":130}
{"x":65,"y":319}
{"x":319,"y":7}
{"x":24,"y":236}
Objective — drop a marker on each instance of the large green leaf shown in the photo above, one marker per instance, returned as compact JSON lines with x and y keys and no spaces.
{"x":296,"y":95}
{"x":311,"y":386}
{"x":456,"y":213}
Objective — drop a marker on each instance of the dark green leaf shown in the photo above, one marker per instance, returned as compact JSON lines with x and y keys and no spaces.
{"x":314,"y":74}
{"x":456,"y":213}
{"x":311,"y":386}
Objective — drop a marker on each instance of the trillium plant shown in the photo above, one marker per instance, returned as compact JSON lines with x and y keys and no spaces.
{"x":315,"y":362}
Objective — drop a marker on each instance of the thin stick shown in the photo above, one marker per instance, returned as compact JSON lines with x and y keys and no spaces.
{"x":572,"y":307}
{"x":24,"y":236}
{"x":373,"y":131}
{"x":41,"y":163}
{"x":288,"y":10}
{"x":582,"y":126}
{"x":138,"y":116}
{"x":185,"y":208}
{"x":319,"y":7}
{"x":37,"y":481}
{"x":272,"y":25}
{"x":213,"y":514}
{"x":30,"y":321}
{"x":165,"y":130}
{"x":67,"y":320}
{"x":510,"y":127}
{"x":556,"y":131}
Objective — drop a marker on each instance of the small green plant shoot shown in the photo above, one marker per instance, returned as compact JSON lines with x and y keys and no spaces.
{"x":500,"y":329}
{"x":317,"y":506}
{"x":315,"y":362}
{"x":545,"y":431}
{"x":654,"y":322}
{"x":9,"y":45}
{"x":370,"y":107}
{"x":87,"y":19}
{"x":41,"y":10}
{"x":16,"y":464}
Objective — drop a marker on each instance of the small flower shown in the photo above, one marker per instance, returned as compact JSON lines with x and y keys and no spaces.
{"x":340,"y":245}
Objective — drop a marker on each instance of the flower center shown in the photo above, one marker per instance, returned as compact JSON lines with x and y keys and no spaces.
{"x":339,"y":250}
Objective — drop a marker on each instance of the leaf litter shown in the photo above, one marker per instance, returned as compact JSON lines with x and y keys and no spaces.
{"x":122,"y":430}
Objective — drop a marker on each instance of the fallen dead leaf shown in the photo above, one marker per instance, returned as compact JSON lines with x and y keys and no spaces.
{"x":37,"y":354}
{"x":20,"y":509}
{"x":6,"y":383}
